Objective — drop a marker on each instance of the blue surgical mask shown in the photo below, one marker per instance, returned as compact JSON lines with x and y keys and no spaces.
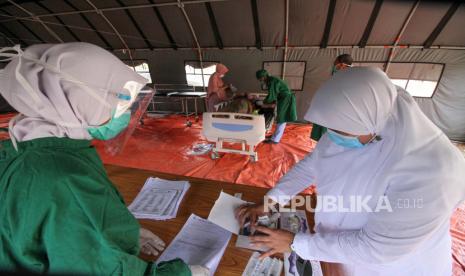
{"x":111,"y":129}
{"x":344,"y":141}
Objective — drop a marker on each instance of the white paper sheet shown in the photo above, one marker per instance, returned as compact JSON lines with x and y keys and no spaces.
{"x":200,"y":242}
{"x":159,"y":199}
{"x":222,"y":212}
{"x":266,"y":267}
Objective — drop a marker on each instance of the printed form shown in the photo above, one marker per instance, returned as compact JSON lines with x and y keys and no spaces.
{"x":200,"y":242}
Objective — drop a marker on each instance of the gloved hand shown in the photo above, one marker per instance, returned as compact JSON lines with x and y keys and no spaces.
{"x":150,"y":244}
{"x":198,"y":270}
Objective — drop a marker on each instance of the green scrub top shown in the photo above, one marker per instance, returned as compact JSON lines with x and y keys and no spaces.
{"x":279,"y":92}
{"x":317,"y":132}
{"x":60,"y":214}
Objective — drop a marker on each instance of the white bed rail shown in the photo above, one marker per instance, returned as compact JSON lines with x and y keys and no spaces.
{"x":245,"y":129}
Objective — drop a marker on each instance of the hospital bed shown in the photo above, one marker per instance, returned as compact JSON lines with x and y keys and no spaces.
{"x":245,"y":129}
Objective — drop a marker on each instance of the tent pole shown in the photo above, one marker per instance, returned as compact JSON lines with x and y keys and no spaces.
{"x":399,"y":36}
{"x":129,"y":7}
{"x":50,"y":31}
{"x":420,"y":47}
{"x":112,"y":26}
{"x":7,"y":38}
{"x":199,"y":50}
{"x":286,"y":40}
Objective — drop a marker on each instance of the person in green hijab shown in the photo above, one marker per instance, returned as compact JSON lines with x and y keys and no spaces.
{"x":281,"y":96}
{"x":60,"y":213}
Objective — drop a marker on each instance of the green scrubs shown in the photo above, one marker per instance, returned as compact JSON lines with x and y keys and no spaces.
{"x":60,"y":214}
{"x":279,"y":92}
{"x":317,"y":132}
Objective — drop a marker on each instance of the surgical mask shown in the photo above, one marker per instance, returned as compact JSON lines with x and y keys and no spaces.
{"x":263,"y":85}
{"x":111,"y":129}
{"x":344,"y":141}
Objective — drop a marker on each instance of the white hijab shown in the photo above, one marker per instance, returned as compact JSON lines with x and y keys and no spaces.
{"x":72,"y":86}
{"x":414,"y":160}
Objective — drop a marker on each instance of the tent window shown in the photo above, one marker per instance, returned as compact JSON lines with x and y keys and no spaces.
{"x":143,"y":70}
{"x":419,"y":79}
{"x":295,"y":72}
{"x":194,"y":72}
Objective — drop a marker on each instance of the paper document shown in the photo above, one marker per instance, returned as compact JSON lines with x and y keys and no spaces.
{"x":222,"y":212}
{"x":296,"y":222}
{"x":159,"y":199}
{"x":266,"y":267}
{"x":200,"y":242}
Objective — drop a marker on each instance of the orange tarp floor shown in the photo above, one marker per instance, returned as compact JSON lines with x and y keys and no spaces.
{"x":162,"y":145}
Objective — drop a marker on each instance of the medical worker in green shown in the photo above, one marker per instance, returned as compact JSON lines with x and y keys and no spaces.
{"x":59,"y":212}
{"x":342,"y":62}
{"x":278,"y":94}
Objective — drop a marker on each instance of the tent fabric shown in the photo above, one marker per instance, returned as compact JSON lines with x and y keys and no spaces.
{"x":392,"y":14}
{"x":235,"y":22}
{"x":307,"y":20}
{"x":454,"y":29}
{"x":424,"y":20}
{"x":351,"y":18}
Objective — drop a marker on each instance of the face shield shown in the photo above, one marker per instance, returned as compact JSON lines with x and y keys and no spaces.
{"x":129,"y":111}
{"x":125,"y":105}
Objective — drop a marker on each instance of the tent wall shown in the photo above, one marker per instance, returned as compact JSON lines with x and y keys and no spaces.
{"x":446,"y":108}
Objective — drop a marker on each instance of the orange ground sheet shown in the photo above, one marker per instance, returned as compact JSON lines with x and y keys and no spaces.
{"x":161,"y":144}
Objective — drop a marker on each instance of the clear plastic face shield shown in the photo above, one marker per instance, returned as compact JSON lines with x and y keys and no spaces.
{"x":128,"y":114}
{"x":133,"y":100}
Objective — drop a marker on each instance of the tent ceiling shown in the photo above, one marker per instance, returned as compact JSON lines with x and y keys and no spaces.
{"x":234,"y":20}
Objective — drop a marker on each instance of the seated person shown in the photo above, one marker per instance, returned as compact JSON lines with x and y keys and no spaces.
{"x":240,"y":103}
{"x":246,"y":103}
{"x":60,"y":212}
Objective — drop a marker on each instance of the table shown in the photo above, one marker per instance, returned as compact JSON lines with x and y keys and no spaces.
{"x":199,"y":200}
{"x":183,"y":97}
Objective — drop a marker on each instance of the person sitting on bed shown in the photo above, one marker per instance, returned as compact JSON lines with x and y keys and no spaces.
{"x":216,"y":91}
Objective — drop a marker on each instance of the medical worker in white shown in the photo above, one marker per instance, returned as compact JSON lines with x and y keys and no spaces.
{"x":379,"y":144}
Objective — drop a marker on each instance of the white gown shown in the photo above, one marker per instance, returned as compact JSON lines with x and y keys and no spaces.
{"x":414,"y":162}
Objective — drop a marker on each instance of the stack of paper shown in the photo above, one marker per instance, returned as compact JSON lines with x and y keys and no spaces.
{"x":200,"y":242}
{"x":159,"y":199}
{"x":266,"y":267}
